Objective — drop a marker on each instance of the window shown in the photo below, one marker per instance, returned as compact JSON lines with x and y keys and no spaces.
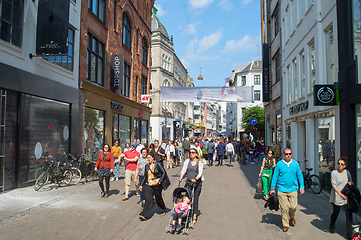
{"x":257,"y":95}
{"x":294,"y":15}
{"x":330,"y":56}
{"x":98,"y":8}
{"x":144,"y":51}
{"x":287,"y":24}
{"x":95,"y":60}
{"x":126,"y":82}
{"x":277,"y":22}
{"x":278,"y":66}
{"x":121,"y":129}
{"x":356,"y":10}
{"x":289,"y":84}
{"x":115,"y":15}
{"x":127,"y":32}
{"x":196,"y":108}
{"x":257,"y":79}
{"x":295,"y":79}
{"x":301,"y":5}
{"x":11,"y":21}
{"x":312,"y":65}
{"x":93,"y":130}
{"x":308,"y":3}
{"x":244,"y":81}
{"x":65,"y":61}
{"x":303,"y":74}
{"x":144,"y":85}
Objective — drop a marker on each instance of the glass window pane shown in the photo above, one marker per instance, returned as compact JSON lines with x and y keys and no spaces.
{"x":93,"y":131}
{"x":101,"y":50}
{"x":144,"y":133}
{"x":94,"y":45}
{"x":124,"y":130}
{"x":100,"y":71}
{"x":71,"y":36}
{"x":16,"y":38}
{"x":95,"y":7}
{"x":5,"y":31}
{"x":93,"y":68}
{"x":70,"y":50}
{"x":87,"y":64}
{"x":358,"y":143}
{"x":6,"y":11}
{"x":115,"y":126}
{"x":101,"y":10}
{"x":19,"y":4}
{"x":17,"y":18}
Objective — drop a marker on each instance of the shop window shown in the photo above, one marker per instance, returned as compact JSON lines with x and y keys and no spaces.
{"x":257,"y":95}
{"x":144,"y":133}
{"x":137,"y":128}
{"x":127,"y":32}
{"x":126,"y":82}
{"x":358,"y":144}
{"x":257,"y":79}
{"x":93,"y":130}
{"x":356,"y":7}
{"x":325,"y":146}
{"x":244,"y":81}
{"x":121,"y":130}
{"x":144,"y":51}
{"x":44,"y":129}
{"x":65,"y":61}
{"x":288,"y":135}
{"x":279,"y":129}
{"x":330,"y":56}
{"x":95,"y":60}
{"x":98,"y":8}
{"x":11,"y":21}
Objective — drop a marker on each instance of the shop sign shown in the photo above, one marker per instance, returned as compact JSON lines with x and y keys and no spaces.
{"x":140,"y":113}
{"x":52,"y":27}
{"x":117,"y":106}
{"x":145,"y":98}
{"x":324,"y":95}
{"x":117,"y":71}
{"x":265,"y":73}
{"x":299,"y":107}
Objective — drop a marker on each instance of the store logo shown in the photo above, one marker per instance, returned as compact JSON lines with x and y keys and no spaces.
{"x":325,"y":95}
{"x":298,"y":108}
{"x":117,"y":106}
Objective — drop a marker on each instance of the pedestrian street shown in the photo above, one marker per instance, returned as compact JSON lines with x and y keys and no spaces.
{"x":228,"y":208}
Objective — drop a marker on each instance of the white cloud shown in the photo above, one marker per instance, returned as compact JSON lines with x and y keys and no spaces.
{"x":245,"y":44}
{"x":160,"y":12}
{"x":200,"y":3}
{"x":210,"y":41}
{"x":226,"y":5}
{"x":191,"y":28}
{"x":246,"y":2}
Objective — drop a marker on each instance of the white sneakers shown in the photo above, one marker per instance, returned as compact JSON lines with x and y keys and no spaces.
{"x":114,"y":179}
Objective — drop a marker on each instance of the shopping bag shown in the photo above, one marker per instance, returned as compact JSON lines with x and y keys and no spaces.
{"x":259,"y":186}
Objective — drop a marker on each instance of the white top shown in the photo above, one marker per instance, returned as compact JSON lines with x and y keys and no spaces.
{"x":230,"y":148}
{"x":339,"y":180}
{"x":200,"y":169}
{"x":169,"y":149}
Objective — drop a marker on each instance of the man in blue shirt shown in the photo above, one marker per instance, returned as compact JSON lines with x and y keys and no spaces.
{"x":287,"y":175}
{"x":221,"y":149}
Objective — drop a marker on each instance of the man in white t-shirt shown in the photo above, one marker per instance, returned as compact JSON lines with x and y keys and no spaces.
{"x":140,"y":146}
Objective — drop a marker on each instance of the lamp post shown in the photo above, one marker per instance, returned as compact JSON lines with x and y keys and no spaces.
{"x":205,"y":107}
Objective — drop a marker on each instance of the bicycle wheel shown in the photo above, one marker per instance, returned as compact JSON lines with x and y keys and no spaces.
{"x":41,"y":180}
{"x":316,"y":186}
{"x":65,"y":178}
{"x":76,"y":175}
{"x":90,"y":175}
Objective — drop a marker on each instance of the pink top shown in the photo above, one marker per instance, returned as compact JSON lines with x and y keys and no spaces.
{"x":180,"y":208}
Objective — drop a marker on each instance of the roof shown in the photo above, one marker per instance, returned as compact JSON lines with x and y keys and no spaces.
{"x":157,"y":26}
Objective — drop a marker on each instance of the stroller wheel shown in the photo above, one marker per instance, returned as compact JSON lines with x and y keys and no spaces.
{"x":191,"y":225}
{"x":167,"y":230}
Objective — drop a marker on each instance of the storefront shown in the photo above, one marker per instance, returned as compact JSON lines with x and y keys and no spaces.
{"x":108,"y":116}
{"x":38,"y":118}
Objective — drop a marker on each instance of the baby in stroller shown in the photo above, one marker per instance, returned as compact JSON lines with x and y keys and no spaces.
{"x":180,"y":211}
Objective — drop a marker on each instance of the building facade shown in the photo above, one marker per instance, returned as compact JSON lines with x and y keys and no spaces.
{"x":39,"y":95}
{"x":310,"y":58}
{"x":115,"y":65}
{"x":167,"y":118}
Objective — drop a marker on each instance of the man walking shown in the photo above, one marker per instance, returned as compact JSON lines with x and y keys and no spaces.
{"x":287,"y":175}
{"x":236,"y":149}
{"x":221,"y":149}
{"x":186,"y":147}
{"x":210,"y":148}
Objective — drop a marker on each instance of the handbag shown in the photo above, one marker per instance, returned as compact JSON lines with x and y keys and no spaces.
{"x":265,"y":175}
{"x":259,"y":186}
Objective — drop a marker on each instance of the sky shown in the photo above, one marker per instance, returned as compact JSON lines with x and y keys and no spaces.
{"x":217,"y":35}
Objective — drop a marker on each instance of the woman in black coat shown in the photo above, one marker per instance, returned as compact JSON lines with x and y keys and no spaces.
{"x":154,"y":181}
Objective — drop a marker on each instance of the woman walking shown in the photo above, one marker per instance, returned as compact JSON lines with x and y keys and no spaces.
{"x":169,"y":152}
{"x":116,"y":151}
{"x":176,"y":154}
{"x":268,"y":164}
{"x":230,"y":152}
{"x":154,"y":176}
{"x":339,"y":179}
{"x":142,"y":161}
{"x":193,"y":170}
{"x":104,"y":164}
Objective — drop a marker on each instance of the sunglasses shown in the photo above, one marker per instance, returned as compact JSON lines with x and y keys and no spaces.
{"x":288,"y":154}
{"x":269,"y":153}
{"x":192,"y":152}
{"x":342,"y":164}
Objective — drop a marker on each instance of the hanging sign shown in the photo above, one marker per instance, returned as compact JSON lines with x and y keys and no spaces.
{"x":116,"y":71}
{"x":266,"y":96}
{"x":324,"y":95}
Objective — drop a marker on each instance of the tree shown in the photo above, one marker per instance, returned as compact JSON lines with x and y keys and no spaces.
{"x":254,"y":112}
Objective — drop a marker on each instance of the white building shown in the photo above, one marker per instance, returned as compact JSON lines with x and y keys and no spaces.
{"x":250,"y":75}
{"x":166,"y":70}
{"x":309,"y":57}
{"x":40,"y":95}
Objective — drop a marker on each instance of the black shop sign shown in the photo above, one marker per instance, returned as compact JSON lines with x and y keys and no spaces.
{"x":324,"y":95}
{"x":117,"y":71}
{"x":117,"y":106}
{"x":299,"y":107}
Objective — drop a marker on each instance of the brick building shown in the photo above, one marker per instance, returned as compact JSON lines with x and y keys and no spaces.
{"x":117,"y":32}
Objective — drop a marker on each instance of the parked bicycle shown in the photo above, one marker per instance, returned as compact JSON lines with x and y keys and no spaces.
{"x":55,"y":172}
{"x":312,"y":181}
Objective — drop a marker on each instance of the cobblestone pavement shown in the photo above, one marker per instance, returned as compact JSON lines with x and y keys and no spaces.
{"x":229,"y":209}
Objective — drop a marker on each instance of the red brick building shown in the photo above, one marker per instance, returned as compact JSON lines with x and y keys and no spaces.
{"x":113,"y":31}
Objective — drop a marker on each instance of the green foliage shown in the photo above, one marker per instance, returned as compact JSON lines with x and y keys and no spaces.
{"x":254,"y":112}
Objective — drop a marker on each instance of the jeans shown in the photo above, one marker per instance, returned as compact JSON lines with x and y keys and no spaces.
{"x":186,"y":153}
{"x":229,"y":157}
{"x":210,"y":159}
{"x":220,"y":159}
{"x":142,"y":193}
{"x":117,"y":165}
{"x":336,"y":211}
{"x":251,"y":157}
{"x":243,"y":159}
{"x":260,"y":157}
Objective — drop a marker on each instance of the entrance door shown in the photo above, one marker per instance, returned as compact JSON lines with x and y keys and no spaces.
{"x":302,"y":145}
{"x":8,"y":139}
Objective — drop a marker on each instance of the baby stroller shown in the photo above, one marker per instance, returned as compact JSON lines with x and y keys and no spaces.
{"x":178,"y":193}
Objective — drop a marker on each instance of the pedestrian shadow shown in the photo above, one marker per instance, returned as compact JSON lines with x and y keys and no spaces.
{"x":113,"y":192}
{"x":322,"y":225}
{"x":176,"y":175}
{"x":272,"y":219}
{"x":258,"y":196}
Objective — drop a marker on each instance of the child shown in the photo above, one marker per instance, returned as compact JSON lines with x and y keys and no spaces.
{"x":180,"y":211}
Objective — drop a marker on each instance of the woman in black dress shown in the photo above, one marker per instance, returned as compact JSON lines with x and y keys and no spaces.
{"x":105,"y":164}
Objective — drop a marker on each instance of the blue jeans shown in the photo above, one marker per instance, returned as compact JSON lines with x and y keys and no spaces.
{"x":220,"y":159}
{"x":210,"y":159}
{"x":117,"y":165}
{"x":260,"y":157}
{"x":251,"y":157}
{"x":142,"y":193}
{"x":229,"y":157}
